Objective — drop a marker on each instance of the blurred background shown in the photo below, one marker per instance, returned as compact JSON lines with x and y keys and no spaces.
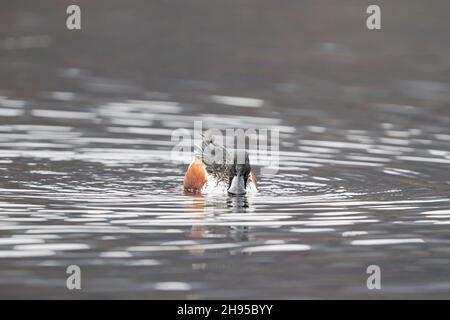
{"x":86,"y":118}
{"x":311,"y":52}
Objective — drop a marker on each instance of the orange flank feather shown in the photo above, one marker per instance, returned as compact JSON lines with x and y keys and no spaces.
{"x":253,"y":178}
{"x":195,"y":177}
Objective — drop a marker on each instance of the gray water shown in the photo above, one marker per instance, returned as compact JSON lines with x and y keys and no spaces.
{"x":86,"y":119}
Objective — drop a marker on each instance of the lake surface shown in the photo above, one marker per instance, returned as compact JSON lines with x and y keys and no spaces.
{"x":86,"y":119}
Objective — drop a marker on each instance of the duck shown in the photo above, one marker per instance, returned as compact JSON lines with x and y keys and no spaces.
{"x":215,"y":167}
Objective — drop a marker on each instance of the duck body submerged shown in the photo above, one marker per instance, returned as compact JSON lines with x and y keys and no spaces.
{"x":216,"y":169}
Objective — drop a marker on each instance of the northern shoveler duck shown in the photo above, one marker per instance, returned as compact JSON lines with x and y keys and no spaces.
{"x":216,"y":167}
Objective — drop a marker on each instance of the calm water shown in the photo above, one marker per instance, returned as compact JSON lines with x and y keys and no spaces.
{"x":85,"y":141}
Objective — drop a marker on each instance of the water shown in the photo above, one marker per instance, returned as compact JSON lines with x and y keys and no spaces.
{"x":85,"y":146}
